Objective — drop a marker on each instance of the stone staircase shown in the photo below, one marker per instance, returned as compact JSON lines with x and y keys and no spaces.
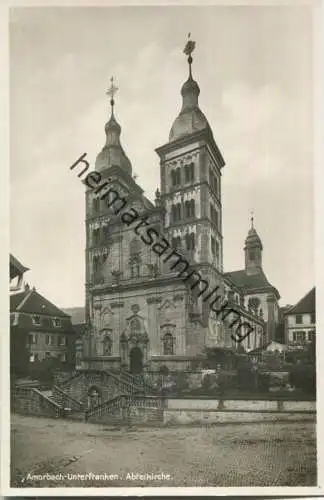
{"x":125,"y":397}
{"x":128,"y":409}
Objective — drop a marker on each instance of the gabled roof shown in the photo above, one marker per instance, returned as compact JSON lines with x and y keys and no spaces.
{"x":249,"y":282}
{"x":16,"y":267}
{"x":77,"y":314}
{"x":32,"y":302}
{"x":305,"y":305}
{"x":16,"y":299}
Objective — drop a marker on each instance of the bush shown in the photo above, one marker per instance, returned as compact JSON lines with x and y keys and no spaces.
{"x":181,"y":381}
{"x":263,"y":380}
{"x":207,"y":382}
{"x":303,"y":377}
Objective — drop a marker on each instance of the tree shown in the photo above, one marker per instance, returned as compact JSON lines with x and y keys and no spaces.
{"x":245,"y":378}
{"x":19,"y":353}
{"x":44,"y":370}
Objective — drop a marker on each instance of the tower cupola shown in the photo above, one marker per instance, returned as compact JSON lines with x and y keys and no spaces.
{"x":113,"y":154}
{"x":253,"y":251}
{"x":190,"y":119}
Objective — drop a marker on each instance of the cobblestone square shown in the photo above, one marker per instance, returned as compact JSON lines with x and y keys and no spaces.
{"x":270,"y":454}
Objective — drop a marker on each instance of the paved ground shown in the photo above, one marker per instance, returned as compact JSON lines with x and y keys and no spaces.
{"x":270,"y":454}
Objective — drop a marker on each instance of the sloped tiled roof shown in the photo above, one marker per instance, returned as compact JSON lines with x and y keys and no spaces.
{"x":16,"y":267}
{"x":77,"y":314}
{"x":250,"y":282}
{"x":32,"y":302}
{"x":16,"y":299}
{"x":305,"y":305}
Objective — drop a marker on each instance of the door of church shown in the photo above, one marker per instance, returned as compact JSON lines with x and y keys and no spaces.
{"x":136,"y":360}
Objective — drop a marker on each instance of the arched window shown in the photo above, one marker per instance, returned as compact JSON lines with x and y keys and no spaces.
{"x":217,"y":252}
{"x":214,"y":215}
{"x":215,"y":185}
{"x":189,"y":171}
{"x":168,"y":344}
{"x":135,"y":258}
{"x":176,"y":242}
{"x":96,"y":236}
{"x":213,"y":245}
{"x":107,"y":345}
{"x":95,"y":205}
{"x":95,"y":263}
{"x":178,"y":176}
{"x":175,"y":177}
{"x":190,"y":241}
{"x":190,"y":208}
{"x":176,"y":212}
{"x":173,"y":213}
{"x":251,"y":255}
{"x":187,"y":209}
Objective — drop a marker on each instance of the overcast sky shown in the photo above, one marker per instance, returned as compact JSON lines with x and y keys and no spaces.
{"x":254,"y":69}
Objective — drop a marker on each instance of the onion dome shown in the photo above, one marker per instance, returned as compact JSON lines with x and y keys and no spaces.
{"x":253,"y":239}
{"x":190,"y":119}
{"x":113,"y":154}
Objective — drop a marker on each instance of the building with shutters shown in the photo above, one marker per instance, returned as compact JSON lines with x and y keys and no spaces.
{"x":300,"y":321}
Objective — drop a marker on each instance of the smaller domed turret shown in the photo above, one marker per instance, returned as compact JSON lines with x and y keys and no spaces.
{"x":253,"y":251}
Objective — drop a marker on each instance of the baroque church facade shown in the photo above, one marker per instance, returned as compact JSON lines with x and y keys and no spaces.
{"x":140,"y":313}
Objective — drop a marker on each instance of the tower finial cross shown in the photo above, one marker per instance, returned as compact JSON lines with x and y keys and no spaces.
{"x":112,"y":91}
{"x":190,"y":46}
{"x":252,"y":219}
{"x":188,"y":50}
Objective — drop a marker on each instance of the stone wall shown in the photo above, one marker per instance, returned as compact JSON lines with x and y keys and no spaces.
{"x":198,"y":417}
{"x":134,"y":416}
{"x":241,"y":405}
{"x":31,"y":402}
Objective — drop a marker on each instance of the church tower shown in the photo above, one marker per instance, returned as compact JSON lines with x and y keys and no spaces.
{"x":190,"y":167}
{"x":116,"y":172}
{"x":253,"y":251}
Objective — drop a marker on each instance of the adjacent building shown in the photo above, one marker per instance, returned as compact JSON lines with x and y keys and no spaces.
{"x":300,"y":321}
{"x":19,"y":354}
{"x":40,"y":328}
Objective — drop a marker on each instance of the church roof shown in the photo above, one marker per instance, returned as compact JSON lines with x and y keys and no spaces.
{"x":305,"y":305}
{"x":250,"y":282}
{"x":32,"y":302}
{"x":190,"y":119}
{"x":77,"y":314}
{"x":113,"y":154}
{"x":16,"y":267}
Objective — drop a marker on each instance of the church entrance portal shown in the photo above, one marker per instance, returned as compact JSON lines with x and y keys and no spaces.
{"x":136,"y":360}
